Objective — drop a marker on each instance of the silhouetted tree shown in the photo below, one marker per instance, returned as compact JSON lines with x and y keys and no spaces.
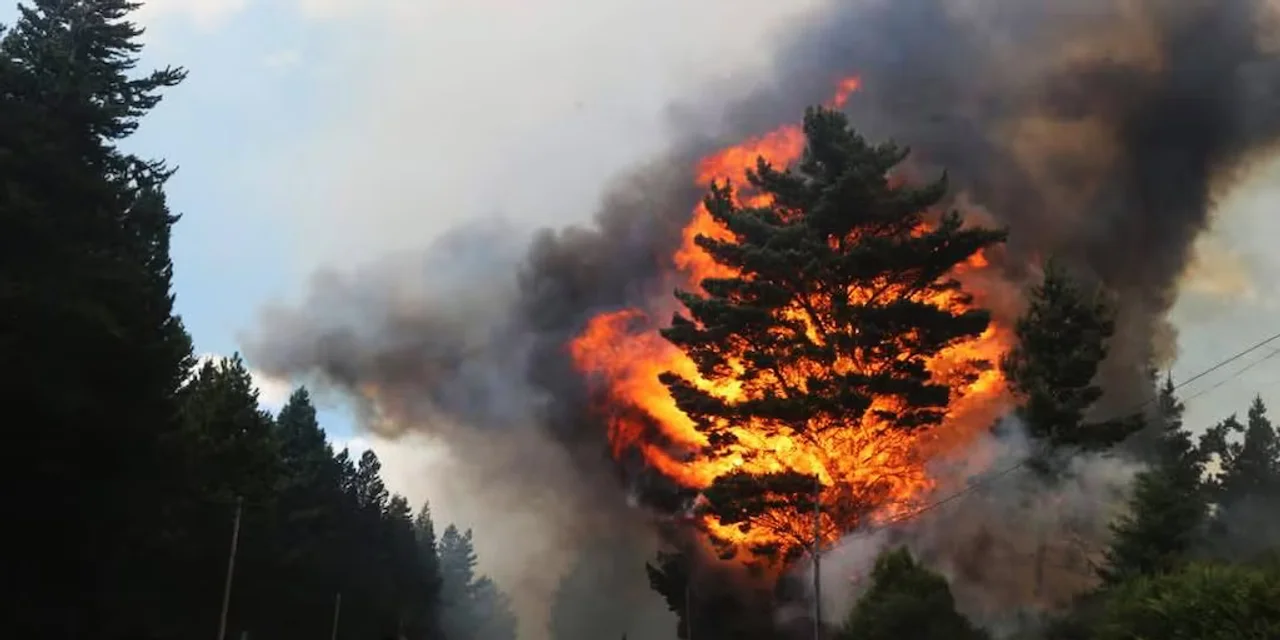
{"x":1169,"y":505}
{"x":86,"y":275}
{"x":906,"y":600}
{"x":1062,"y":340}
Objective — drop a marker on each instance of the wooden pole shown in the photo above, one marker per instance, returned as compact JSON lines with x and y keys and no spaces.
{"x":817,"y":552}
{"x":337,"y":610}
{"x":231,"y":570}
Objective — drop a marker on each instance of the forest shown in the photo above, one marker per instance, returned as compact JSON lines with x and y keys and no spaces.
{"x":137,"y":464}
{"x":141,"y":472}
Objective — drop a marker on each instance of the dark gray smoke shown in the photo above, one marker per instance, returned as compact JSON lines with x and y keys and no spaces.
{"x":1099,"y":131}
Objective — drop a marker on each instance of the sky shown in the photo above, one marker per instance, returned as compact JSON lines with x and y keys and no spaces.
{"x":328,"y":133}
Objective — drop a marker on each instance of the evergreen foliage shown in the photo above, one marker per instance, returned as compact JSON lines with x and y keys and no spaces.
{"x":1062,"y":341}
{"x":1197,"y":602}
{"x":472,"y":607}
{"x":133,"y":457}
{"x":834,"y":307}
{"x":906,"y":600}
{"x":1168,"y":508}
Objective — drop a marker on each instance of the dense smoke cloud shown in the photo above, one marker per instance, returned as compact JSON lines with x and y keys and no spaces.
{"x":1099,"y":131}
{"x":1013,"y":543}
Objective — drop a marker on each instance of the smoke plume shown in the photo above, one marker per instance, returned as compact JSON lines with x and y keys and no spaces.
{"x":1099,"y":131}
{"x":1014,"y":544}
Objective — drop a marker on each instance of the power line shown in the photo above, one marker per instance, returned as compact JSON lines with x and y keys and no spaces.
{"x":1274,"y":353}
{"x":989,"y":480}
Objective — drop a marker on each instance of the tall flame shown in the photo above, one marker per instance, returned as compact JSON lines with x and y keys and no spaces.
{"x":858,"y":464}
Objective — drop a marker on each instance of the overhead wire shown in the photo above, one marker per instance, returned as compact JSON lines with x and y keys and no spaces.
{"x":1240,"y":372}
{"x":991,"y":479}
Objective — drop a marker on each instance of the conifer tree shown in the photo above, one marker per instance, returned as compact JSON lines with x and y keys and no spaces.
{"x":833,"y":307}
{"x":424,"y":529}
{"x":370,"y":492}
{"x":494,"y":617}
{"x":1062,"y":340}
{"x":230,"y":454}
{"x":1251,"y":467}
{"x":138,"y":459}
{"x":1168,"y":507}
{"x":84,"y":259}
{"x":427,"y":621}
{"x":472,"y":606}
{"x":457,"y":559}
{"x":907,"y":600}
{"x":1247,"y":490}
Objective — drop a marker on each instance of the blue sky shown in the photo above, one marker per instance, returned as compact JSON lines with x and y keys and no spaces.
{"x":248,"y":93}
{"x":245,"y":95}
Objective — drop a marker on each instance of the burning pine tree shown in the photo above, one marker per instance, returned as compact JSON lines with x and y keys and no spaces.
{"x":828,"y":333}
{"x":826,"y":338}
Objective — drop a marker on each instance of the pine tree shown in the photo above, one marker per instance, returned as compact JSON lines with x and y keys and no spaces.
{"x":1168,"y":507}
{"x":425,"y":534}
{"x":834,"y":308}
{"x":472,"y":605}
{"x":906,"y":600}
{"x":302,"y":442}
{"x":305,"y":541}
{"x":494,"y":617}
{"x":1248,"y":488}
{"x":401,"y":572}
{"x":138,"y":459}
{"x":230,"y":453}
{"x":426,"y":623}
{"x":1252,"y":466}
{"x":370,"y":492}
{"x":309,"y":492}
{"x":232,"y":446}
{"x":457,"y":559}
{"x":1062,"y":340}
{"x":88,"y":311}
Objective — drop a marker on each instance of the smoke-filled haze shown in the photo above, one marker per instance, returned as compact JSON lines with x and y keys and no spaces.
{"x":1102,"y":132}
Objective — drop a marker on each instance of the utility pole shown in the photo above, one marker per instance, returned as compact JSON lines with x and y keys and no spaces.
{"x":337,"y":609}
{"x":817,"y":551}
{"x":231,"y":570}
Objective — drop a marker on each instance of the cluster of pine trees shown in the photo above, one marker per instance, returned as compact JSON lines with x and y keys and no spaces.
{"x":133,"y":463}
{"x":833,"y":306}
{"x":1196,"y":556}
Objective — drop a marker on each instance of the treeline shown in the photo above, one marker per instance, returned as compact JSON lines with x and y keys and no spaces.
{"x":1196,"y":556}
{"x":829,"y":313}
{"x":129,"y":461}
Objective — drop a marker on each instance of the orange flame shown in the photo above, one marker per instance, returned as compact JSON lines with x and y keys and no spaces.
{"x":857,"y":464}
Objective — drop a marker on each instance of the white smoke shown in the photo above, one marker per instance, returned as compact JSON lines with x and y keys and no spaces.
{"x":1011,"y":543}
